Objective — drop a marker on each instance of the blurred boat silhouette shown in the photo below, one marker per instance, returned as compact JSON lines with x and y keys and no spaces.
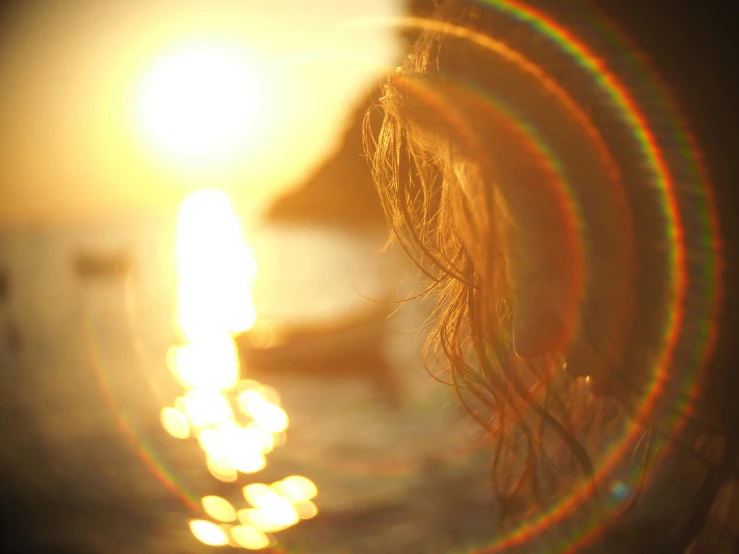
{"x":89,"y":265}
{"x":353,"y":346}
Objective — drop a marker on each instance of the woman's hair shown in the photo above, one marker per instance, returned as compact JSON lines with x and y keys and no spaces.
{"x":522,"y":404}
{"x":547,"y":428}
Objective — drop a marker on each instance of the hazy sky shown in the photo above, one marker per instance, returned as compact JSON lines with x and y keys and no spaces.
{"x":69,"y":71}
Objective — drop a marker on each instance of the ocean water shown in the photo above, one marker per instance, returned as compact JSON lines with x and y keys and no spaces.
{"x":87,"y":467}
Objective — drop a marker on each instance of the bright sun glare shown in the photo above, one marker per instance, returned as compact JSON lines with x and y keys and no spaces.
{"x":237,"y":422}
{"x":200,"y":103}
{"x":216,"y":268}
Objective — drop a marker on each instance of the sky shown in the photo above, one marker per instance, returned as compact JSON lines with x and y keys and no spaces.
{"x":72,"y":145}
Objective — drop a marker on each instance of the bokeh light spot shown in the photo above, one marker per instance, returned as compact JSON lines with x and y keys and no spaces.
{"x":205,"y":408}
{"x":175,"y":423}
{"x":250,"y":538}
{"x":255,"y":492}
{"x":221,"y":469}
{"x":298,"y":489}
{"x":306,"y":510}
{"x":265,"y":414}
{"x":208,"y":532}
{"x":218,"y":508}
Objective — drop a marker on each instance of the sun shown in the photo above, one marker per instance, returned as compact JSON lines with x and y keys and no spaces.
{"x":200,"y":103}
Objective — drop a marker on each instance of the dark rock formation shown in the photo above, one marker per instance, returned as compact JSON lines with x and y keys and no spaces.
{"x":340,"y":192}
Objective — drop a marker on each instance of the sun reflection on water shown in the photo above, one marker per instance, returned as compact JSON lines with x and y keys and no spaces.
{"x":236,"y":422}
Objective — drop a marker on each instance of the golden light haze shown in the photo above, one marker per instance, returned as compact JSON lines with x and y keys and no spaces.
{"x":71,"y":145}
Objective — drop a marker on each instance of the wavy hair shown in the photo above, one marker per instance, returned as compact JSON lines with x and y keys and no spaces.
{"x":546,"y":429}
{"x":522,"y":404}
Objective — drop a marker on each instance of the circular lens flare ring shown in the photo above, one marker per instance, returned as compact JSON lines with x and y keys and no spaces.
{"x":651,"y":150}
